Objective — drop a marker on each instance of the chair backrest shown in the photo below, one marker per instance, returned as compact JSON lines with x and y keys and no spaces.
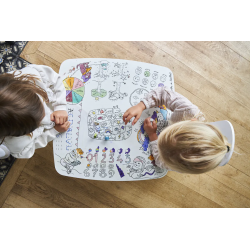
{"x":227,"y":130}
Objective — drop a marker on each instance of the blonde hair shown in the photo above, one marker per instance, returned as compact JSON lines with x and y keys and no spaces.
{"x":192,"y":147}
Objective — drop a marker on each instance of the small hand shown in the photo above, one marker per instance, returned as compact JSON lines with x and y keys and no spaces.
{"x":62,"y":127}
{"x":134,"y":111}
{"x":59,"y":117}
{"x":150,"y":129}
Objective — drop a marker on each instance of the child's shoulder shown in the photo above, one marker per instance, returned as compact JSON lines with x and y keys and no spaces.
{"x":29,"y":69}
{"x":17,"y":144}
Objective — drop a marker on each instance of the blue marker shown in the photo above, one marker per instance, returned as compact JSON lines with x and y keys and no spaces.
{"x":106,"y":138}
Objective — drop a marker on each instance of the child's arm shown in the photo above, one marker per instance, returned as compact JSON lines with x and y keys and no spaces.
{"x":40,"y":138}
{"x":53,"y":84}
{"x":182,"y":108}
{"x":150,"y":128}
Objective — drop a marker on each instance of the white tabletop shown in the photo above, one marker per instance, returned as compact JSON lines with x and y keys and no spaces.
{"x":98,"y":92}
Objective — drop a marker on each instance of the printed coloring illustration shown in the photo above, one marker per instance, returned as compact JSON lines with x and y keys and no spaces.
{"x":137,"y":95}
{"x":108,"y":123}
{"x":98,"y":145}
{"x":161,"y":118}
{"x":71,"y":160}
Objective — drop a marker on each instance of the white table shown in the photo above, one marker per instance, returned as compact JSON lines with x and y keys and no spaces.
{"x":98,"y":92}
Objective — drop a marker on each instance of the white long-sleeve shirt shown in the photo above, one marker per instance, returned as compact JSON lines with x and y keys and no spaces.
{"x":182,"y":110}
{"x":24,"y":146}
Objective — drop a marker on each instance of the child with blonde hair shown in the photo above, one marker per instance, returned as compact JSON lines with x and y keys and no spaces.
{"x":188,"y":144}
{"x":32,"y":110}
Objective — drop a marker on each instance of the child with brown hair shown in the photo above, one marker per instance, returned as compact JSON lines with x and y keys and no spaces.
{"x":32,"y":110}
{"x":189,"y":144}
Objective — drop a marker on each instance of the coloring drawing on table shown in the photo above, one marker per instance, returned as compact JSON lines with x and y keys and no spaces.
{"x":98,"y":145}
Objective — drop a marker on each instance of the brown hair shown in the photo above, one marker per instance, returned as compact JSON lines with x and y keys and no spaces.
{"x":21,"y":109}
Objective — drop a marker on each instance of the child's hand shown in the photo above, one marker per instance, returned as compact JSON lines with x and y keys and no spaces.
{"x":150,"y":129}
{"x":62,"y":127}
{"x":134,"y":112}
{"x":59,"y":117}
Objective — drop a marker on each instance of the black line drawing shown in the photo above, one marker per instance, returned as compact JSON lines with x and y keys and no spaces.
{"x":120,"y":70}
{"x":71,"y":159}
{"x":139,"y":168}
{"x":145,"y":81}
{"x":116,"y":94}
{"x":86,"y":172}
{"x":136,"y":79}
{"x":95,"y":169}
{"x":111,"y":171}
{"x":163,"y":78}
{"x":153,"y":84}
{"x":137,"y":96}
{"x":108,"y":122}
{"x":155,"y":75}
{"x":102,"y":173}
{"x":138,"y":70}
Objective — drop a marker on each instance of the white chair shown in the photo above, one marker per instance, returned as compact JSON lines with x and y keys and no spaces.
{"x":227,"y":130}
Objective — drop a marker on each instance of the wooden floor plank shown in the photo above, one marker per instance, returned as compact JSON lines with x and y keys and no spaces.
{"x":45,"y":196}
{"x":166,"y":188}
{"x":17,"y":201}
{"x":67,"y":50}
{"x":227,"y":176}
{"x":11,"y":179}
{"x":30,"y":48}
{"x":214,"y":190}
{"x":41,"y":59}
{"x":242,"y":48}
{"x":235,"y":66}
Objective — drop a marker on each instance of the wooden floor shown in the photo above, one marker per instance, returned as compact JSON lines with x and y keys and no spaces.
{"x":214,"y":75}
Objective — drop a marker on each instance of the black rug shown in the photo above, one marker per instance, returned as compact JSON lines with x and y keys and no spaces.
{"x":9,"y":61}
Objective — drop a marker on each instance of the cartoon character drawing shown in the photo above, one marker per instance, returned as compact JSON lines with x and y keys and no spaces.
{"x":85,"y":70}
{"x":71,"y":159}
{"x":139,"y":168}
